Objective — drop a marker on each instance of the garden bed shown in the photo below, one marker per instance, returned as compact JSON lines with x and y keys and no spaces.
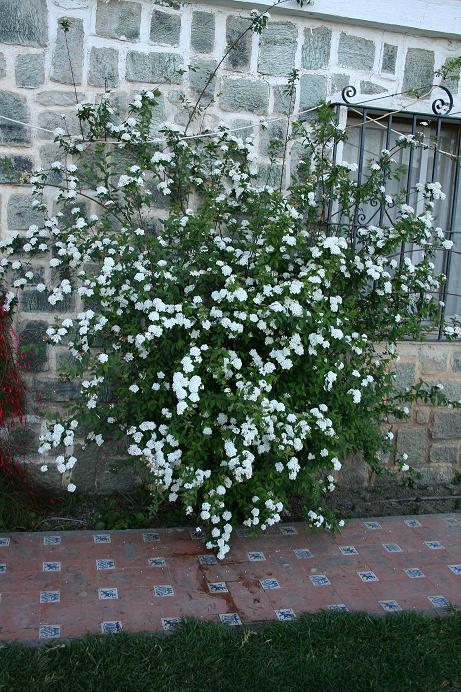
{"x":25,"y":509}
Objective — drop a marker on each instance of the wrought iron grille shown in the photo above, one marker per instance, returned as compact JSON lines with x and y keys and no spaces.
{"x":372,"y":129}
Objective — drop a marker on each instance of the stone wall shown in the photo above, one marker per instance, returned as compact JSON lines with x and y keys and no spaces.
{"x":124,"y":45}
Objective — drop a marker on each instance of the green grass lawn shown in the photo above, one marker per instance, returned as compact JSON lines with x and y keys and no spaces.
{"x":328,"y":651}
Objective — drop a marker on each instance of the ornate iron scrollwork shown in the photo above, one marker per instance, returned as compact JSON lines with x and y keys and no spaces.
{"x":348,"y":93}
{"x":440,"y":106}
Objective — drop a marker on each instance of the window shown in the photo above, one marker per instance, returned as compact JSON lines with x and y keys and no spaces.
{"x":439,"y":163}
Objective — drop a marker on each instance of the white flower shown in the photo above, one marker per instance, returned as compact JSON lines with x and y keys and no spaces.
{"x":103,"y":357}
{"x":71,"y":488}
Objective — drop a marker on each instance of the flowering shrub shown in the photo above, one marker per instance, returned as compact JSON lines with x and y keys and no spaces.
{"x":238,"y":344}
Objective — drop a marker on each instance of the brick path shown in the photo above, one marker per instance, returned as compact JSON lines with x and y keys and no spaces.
{"x":70,"y":583}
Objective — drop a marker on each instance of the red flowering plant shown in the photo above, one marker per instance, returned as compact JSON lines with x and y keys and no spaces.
{"x":12,"y":389}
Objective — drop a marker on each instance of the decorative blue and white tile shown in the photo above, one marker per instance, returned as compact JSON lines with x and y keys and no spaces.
{"x":367,"y":576}
{"x":4,"y":541}
{"x":414,"y":572}
{"x":108,"y":594}
{"x":156,"y":562}
{"x":102,"y":538}
{"x":285,"y":614}
{"x":434,"y":545}
{"x":340,"y":607}
{"x":439,"y":601}
{"x":373,"y":525}
{"x":390,"y":606}
{"x":218,"y":587}
{"x":2,"y":568}
{"x":163,"y":590}
{"x":451,"y":521}
{"x":50,"y":597}
{"x":111,"y":627}
{"x":413,"y":523}
{"x":268,"y":584}
{"x":51,"y":540}
{"x":303,"y":553}
{"x":151,"y":537}
{"x":348,"y":549}
{"x":170,"y":624}
{"x":256,"y":556}
{"x":49,"y":631}
{"x":105,"y":564}
{"x":51,"y":566}
{"x":320,"y":580}
{"x":207,"y":560}
{"x":288,"y":530}
{"x":230,"y":619}
{"x":456,"y":569}
{"x":392,"y":547}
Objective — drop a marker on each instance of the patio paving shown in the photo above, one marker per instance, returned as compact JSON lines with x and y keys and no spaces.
{"x":67,"y":584}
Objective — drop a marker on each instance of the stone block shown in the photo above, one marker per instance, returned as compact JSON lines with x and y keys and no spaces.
{"x":48,"y":154}
{"x":423,"y":415}
{"x":51,"y":481}
{"x":452,"y":389}
{"x":63,"y":69}
{"x":112,"y":477}
{"x":371,"y":88}
{"x":32,"y":346}
{"x":456,"y":361}
{"x":339,"y":82}
{"x":272,"y":139}
{"x":24,"y":438}
{"x":419,"y":69}
{"x":58,"y":98}
{"x":103,"y":67}
{"x":30,"y":70}
{"x":199,"y":74}
{"x":24,"y":22}
{"x":269,"y":175}
{"x":14,"y":168}
{"x":33,"y":301}
{"x":50,"y":120}
{"x":240,"y":55}
{"x":283,"y":103}
{"x":446,"y":424}
{"x":389,"y":58}
{"x":316,"y":48}
{"x":355,"y":52}
{"x":277,"y":49}
{"x":202,"y":32}
{"x":154,"y":68}
{"x":405,"y":375}
{"x":20,"y":213}
{"x":436,"y":475}
{"x":2,"y":66}
{"x":13,"y":106}
{"x":56,"y":391}
{"x":445,"y":454}
{"x":433,"y":359}
{"x":313,"y":89}
{"x":118,"y":19}
{"x":165,"y":28}
{"x":244,"y":95}
{"x":414,"y":442}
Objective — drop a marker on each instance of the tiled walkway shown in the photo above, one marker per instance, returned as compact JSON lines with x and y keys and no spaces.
{"x":70,"y":583}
